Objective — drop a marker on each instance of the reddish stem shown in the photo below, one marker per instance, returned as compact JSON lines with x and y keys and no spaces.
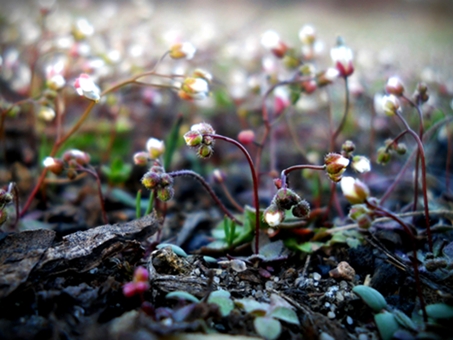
{"x":255,"y":184}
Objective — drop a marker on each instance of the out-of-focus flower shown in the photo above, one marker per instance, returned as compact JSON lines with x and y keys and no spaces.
{"x":307,"y":35}
{"x":199,"y":73}
{"x":361,"y":164}
{"x":421,"y":93}
{"x":46,"y":113}
{"x":383,"y":156}
{"x":394,"y":86}
{"x":141,"y":158}
{"x":182,"y":50}
{"x":55,"y":165}
{"x":82,"y":29}
{"x":335,"y":166}
{"x":194,"y":88}
{"x":246,"y":136}
{"x":139,"y":285}
{"x":281,"y":99}
{"x":390,"y":104}
{"x":273,"y":216}
{"x":328,"y":76}
{"x":85,"y":87}
{"x":272,"y":42}
{"x":354,"y":190}
{"x":342,"y":57}
{"x":77,"y":156}
{"x":155,"y":147}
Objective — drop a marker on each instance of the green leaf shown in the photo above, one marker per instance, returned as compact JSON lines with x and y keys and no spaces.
{"x":179,"y":295}
{"x":285,"y":314}
{"x":386,"y":324}
{"x":177,"y":250}
{"x":226,"y":305}
{"x":404,"y":320}
{"x":267,"y":327}
{"x":220,"y":293}
{"x":440,"y":311}
{"x":371,"y":297}
{"x":306,"y":247}
{"x":117,"y":172}
{"x":138,"y":208}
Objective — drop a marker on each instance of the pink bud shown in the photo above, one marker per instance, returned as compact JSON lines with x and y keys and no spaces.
{"x":246,"y":136}
{"x":129,"y":289}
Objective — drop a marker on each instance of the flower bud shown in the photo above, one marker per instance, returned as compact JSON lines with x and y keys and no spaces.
{"x":141,"y":158}
{"x":151,"y":180}
{"x":335,"y":166}
{"x":182,"y":50}
{"x":218,"y":175}
{"x":165,"y":194}
{"x":199,"y":73}
{"x":307,"y":35}
{"x":56,"y":82}
{"x":203,"y":128}
{"x":361,"y":164}
{"x":155,"y":148}
{"x":79,"y":157}
{"x":342,"y":57}
{"x":129,"y":289}
{"x":272,"y":42}
{"x":348,"y":146}
{"x":55,"y":165}
{"x":390,"y":104}
{"x":401,"y":148}
{"x":301,"y":209}
{"x":383,"y":156}
{"x":141,"y":274}
{"x":194,"y":88}
{"x":85,"y":87}
{"x":354,"y":190}
{"x":327,"y":77}
{"x":246,"y":137}
{"x":394,"y":86}
{"x":193,"y":138}
{"x":273,"y":216}
{"x":205,"y":151}
{"x":286,"y":198}
{"x":165,"y":180}
{"x":421,"y":93}
{"x":46,"y":113}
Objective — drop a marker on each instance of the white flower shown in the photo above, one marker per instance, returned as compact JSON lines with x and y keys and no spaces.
{"x":390,"y":104}
{"x":48,"y":162}
{"x":342,"y":57}
{"x":307,"y":35}
{"x":270,"y":40}
{"x":273,"y":217}
{"x":155,"y":147}
{"x":194,"y":88}
{"x":354,"y":190}
{"x":182,"y":50}
{"x":85,"y":87}
{"x":394,"y":86}
{"x":361,"y":164}
{"x":46,"y":113}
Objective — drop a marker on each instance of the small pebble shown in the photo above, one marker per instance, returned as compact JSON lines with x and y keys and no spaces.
{"x":339,"y":296}
{"x":327,"y":304}
{"x":238,"y":265}
{"x":363,"y":337}
{"x":276,"y":279}
{"x":269,"y":285}
{"x":197,"y":271}
{"x":325,"y":336}
{"x":216,"y":279}
{"x":316,"y":276}
{"x":331,"y":315}
{"x":259,"y":294}
{"x":349,"y":320}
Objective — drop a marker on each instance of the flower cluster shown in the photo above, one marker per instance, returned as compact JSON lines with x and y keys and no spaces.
{"x":157,"y":179}
{"x":336,"y":165}
{"x":139,"y":285}
{"x":384,"y":153}
{"x":200,"y":137}
{"x":285,"y":199}
{"x":71,"y":161}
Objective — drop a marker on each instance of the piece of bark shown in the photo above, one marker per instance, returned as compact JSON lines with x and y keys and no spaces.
{"x":19,"y":253}
{"x":85,"y":250}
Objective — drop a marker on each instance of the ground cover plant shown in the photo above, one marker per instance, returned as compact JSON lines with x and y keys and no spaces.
{"x":269,"y":187}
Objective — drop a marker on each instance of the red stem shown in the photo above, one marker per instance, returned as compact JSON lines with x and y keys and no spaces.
{"x":255,"y":184}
